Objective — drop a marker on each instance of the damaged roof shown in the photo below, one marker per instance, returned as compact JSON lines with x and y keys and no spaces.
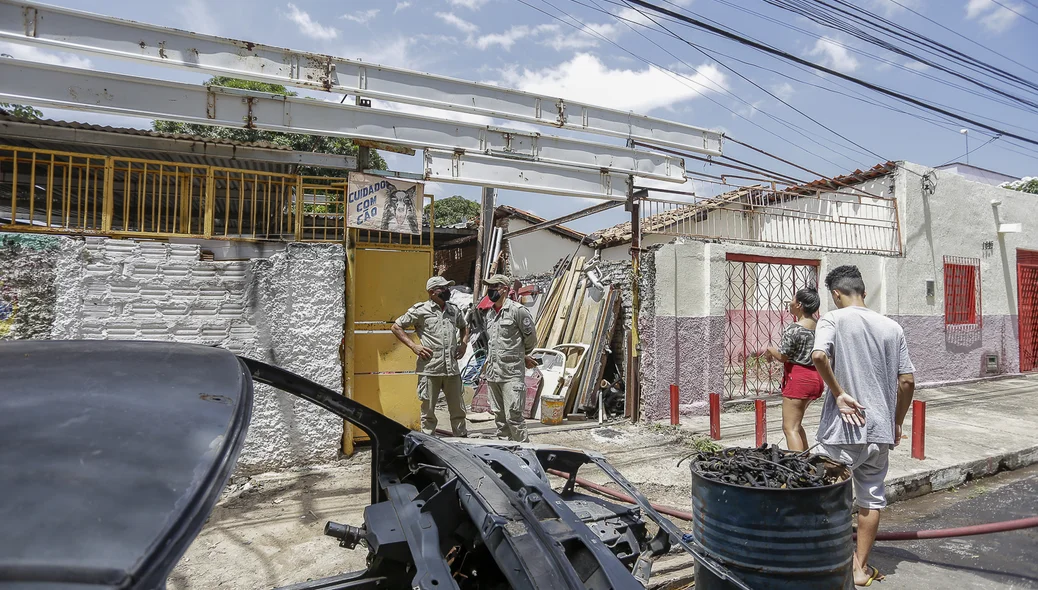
{"x":562,"y":230}
{"x":621,"y":233}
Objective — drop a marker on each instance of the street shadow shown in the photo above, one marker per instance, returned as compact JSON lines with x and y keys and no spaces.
{"x":887,"y":560}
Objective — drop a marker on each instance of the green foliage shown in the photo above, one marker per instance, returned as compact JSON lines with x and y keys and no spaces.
{"x":452,"y":210}
{"x":1026,"y":184}
{"x":297,"y":141}
{"x":20,"y":110}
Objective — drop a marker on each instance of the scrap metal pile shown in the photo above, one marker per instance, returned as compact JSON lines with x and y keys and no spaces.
{"x":766,"y":467}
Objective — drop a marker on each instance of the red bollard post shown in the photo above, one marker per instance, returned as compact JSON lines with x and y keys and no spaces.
{"x":715,"y":416}
{"x":674,"y":399}
{"x":762,"y":421}
{"x":918,"y":429}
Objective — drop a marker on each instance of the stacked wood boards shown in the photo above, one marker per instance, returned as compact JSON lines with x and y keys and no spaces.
{"x":575,"y":311}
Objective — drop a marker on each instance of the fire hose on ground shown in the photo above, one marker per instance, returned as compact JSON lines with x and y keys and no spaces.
{"x":979,"y":529}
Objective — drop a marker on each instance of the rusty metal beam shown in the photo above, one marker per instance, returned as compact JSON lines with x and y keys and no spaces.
{"x":560,"y":220}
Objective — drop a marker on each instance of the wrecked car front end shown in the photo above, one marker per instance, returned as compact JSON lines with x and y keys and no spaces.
{"x":443,"y":513}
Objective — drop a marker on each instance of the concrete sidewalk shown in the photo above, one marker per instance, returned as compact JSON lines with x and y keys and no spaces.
{"x":972,"y":430}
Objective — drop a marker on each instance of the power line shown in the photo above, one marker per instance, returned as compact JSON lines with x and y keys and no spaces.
{"x":956,"y":159}
{"x":954,"y":32}
{"x":785,"y":55}
{"x":583,"y":28}
{"x":1020,"y":14}
{"x":788,"y":124}
{"x":770,"y":94}
{"x":827,"y":16}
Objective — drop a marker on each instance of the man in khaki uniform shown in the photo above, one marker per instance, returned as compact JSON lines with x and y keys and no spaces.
{"x":443,"y":335}
{"x":511,"y":336}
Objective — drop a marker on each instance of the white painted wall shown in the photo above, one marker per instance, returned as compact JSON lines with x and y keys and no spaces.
{"x":287,"y":310}
{"x":977,"y":174}
{"x":538,"y":252}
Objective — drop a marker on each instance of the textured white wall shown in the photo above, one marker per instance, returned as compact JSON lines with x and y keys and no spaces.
{"x":286,"y":309}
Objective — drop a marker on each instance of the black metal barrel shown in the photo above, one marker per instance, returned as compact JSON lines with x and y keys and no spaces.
{"x":774,"y":538}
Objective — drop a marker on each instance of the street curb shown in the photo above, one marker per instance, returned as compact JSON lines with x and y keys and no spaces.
{"x":914,"y":485}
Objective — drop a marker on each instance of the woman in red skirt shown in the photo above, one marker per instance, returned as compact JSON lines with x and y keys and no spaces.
{"x":801,"y":383}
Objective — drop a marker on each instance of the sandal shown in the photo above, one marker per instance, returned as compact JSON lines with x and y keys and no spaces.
{"x":875,"y":576}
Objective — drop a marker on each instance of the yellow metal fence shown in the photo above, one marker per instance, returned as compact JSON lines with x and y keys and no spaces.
{"x":66,"y":192}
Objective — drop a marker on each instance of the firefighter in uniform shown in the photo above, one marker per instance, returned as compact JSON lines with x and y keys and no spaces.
{"x":443,"y":335}
{"x":511,"y":337}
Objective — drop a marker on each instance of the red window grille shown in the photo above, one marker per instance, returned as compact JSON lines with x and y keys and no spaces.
{"x":961,"y":291}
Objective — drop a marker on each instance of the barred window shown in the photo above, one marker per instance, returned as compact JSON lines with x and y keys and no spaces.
{"x":961,"y":291}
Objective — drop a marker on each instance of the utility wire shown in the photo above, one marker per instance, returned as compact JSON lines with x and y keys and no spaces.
{"x":803,"y":132}
{"x":762,"y":89}
{"x":956,"y":159}
{"x":790,"y":57}
{"x":1020,"y":14}
{"x":583,"y":28}
{"x":826,"y":17}
{"x":867,"y":54}
{"x":958,"y":34}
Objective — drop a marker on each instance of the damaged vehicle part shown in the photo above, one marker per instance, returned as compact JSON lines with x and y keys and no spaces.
{"x":443,"y":513}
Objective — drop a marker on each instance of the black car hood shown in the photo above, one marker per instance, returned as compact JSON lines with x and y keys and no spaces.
{"x":112,"y":455}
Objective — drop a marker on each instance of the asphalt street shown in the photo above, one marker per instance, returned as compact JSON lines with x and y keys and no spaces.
{"x":999,"y":560}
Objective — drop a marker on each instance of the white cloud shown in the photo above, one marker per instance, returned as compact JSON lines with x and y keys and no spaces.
{"x":585,"y":78}
{"x":588,"y":36}
{"x":834,"y":55}
{"x":889,"y":9}
{"x":508,"y":38}
{"x":362,"y":17}
{"x":453,"y":20}
{"x":748,"y":110}
{"x":198,"y":17}
{"x":34,"y":54}
{"x":634,"y":16}
{"x":390,"y":52}
{"x":917,"y":66}
{"x":401,"y":6}
{"x":309,"y":26}
{"x":470,"y":4}
{"x":993,"y":17}
{"x":784,"y":90}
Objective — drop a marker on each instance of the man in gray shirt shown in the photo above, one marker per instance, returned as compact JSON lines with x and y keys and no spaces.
{"x":862,"y":357}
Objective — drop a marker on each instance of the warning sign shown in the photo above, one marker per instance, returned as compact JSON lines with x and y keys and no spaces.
{"x":386,"y":204}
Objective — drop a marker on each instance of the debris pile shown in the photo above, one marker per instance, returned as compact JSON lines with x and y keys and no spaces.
{"x":577,"y":316}
{"x":767,"y":467}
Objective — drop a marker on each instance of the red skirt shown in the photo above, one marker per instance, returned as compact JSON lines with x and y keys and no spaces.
{"x":800,"y":382}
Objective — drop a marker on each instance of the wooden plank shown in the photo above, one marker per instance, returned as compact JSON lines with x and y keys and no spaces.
{"x":548,"y":313}
{"x":597,"y":359}
{"x":575,"y":310}
{"x":564,"y":306}
{"x":581,"y":321}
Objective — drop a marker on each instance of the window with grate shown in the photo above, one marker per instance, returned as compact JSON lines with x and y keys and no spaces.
{"x":961,"y":291}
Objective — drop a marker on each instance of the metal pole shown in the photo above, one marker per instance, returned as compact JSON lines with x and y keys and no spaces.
{"x":486,"y":225}
{"x":633,"y":381}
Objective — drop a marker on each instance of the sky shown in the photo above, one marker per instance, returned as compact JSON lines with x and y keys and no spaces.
{"x":598,"y":51}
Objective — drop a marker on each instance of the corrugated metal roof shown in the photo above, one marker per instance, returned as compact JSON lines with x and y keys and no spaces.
{"x":143,"y":132}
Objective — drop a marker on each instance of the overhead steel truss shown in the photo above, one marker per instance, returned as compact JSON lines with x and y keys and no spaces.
{"x":77,"y":31}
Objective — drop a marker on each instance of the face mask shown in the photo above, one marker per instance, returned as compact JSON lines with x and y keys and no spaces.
{"x":442,"y":295}
{"x":494,"y":295}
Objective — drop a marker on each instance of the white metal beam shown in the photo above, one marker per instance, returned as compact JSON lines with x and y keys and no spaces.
{"x":465,"y":168}
{"x":76,"y":31}
{"x":73,"y":88}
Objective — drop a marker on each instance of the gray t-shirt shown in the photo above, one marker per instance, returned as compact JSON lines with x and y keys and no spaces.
{"x":867,"y":352}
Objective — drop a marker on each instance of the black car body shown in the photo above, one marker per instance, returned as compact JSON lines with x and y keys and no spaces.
{"x":112,"y":455}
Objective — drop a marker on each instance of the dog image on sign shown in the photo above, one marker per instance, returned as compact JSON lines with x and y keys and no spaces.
{"x":380,"y":204}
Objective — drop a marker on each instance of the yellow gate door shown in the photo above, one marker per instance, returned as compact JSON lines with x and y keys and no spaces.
{"x":383,"y":281}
